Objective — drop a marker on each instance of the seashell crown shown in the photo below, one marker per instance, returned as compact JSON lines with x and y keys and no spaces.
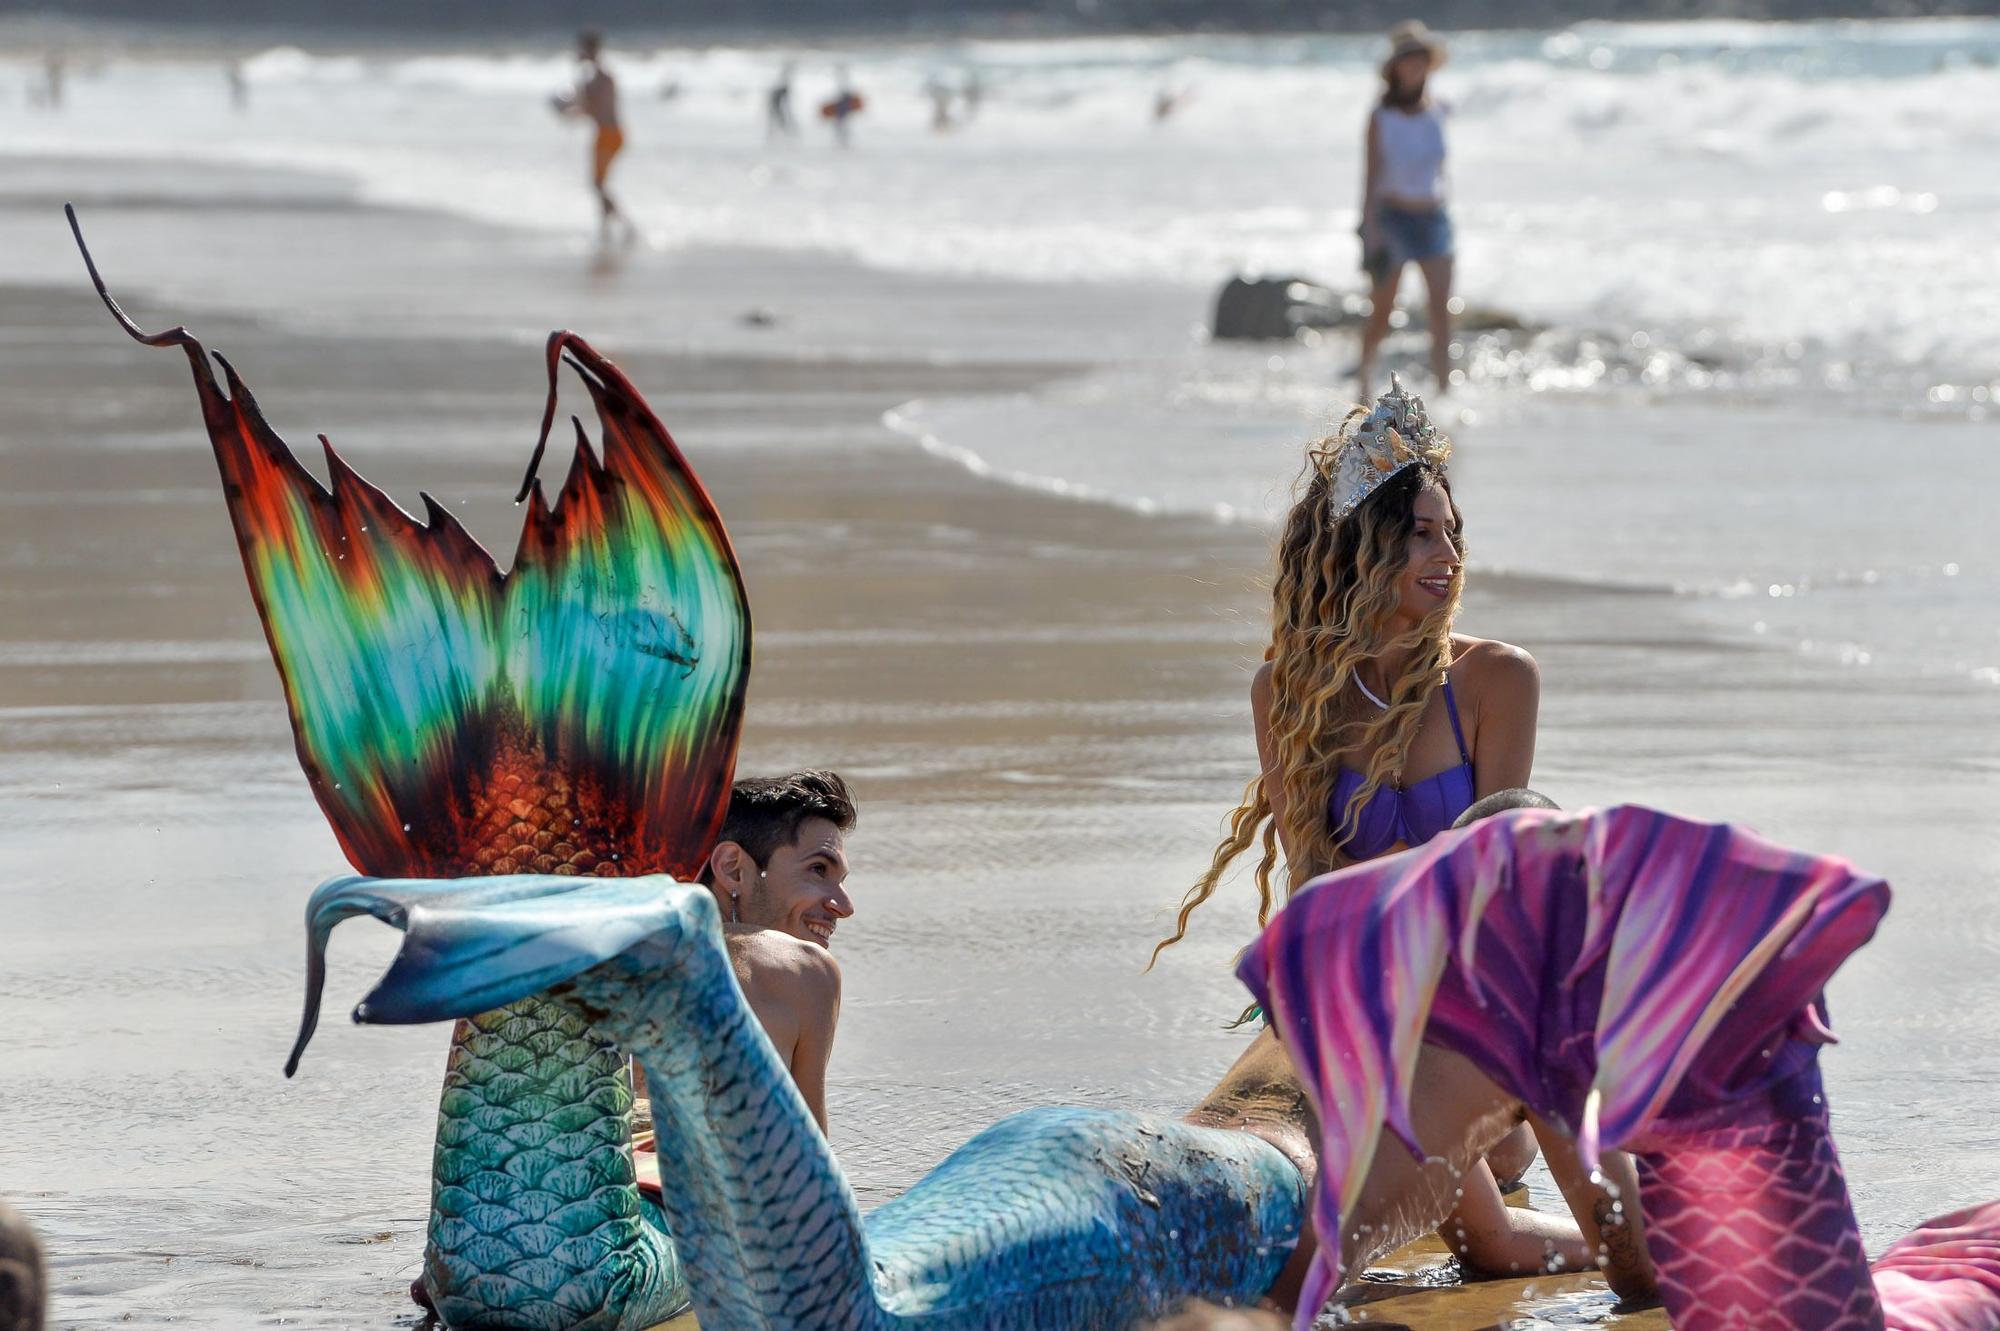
{"x":1395,"y":435}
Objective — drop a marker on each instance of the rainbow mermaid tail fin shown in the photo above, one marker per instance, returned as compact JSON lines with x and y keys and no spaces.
{"x":576,"y":714}
{"x":1630,"y":975}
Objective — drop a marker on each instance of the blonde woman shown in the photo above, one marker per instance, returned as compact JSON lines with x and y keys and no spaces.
{"x":1377,"y":727}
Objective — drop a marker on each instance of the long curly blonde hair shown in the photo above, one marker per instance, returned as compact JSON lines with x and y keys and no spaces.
{"x":1333,"y":603}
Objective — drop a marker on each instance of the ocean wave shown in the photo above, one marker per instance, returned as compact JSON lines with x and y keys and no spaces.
{"x":1774,"y":184}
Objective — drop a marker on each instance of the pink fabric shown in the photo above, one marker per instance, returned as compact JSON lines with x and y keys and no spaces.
{"x":1946,"y":1275}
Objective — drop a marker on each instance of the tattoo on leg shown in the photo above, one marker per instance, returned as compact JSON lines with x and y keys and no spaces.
{"x":1618,"y":1247}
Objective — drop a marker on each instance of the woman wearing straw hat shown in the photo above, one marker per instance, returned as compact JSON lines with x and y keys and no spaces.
{"x":1403,"y":217}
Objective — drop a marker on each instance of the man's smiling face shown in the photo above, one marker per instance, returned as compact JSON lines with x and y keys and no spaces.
{"x":802,"y":890}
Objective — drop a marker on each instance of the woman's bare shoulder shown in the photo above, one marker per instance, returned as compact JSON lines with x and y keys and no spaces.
{"x":1488,"y":666}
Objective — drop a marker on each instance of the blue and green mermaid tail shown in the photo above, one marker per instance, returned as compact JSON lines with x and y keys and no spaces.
{"x":1051,"y":1220}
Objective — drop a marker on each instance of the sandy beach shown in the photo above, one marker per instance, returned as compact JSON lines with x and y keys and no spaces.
{"x":1041,"y":701}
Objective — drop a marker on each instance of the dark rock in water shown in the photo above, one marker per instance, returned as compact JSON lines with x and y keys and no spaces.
{"x":1276,"y":307}
{"x":758,"y":317}
{"x":1264,"y":308}
{"x":1485,"y":319}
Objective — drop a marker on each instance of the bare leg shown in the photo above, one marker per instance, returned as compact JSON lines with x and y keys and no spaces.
{"x":1511,"y":1158}
{"x":1458,"y":1113}
{"x":1382,"y":300}
{"x":1437,"y":285}
{"x":609,"y":212}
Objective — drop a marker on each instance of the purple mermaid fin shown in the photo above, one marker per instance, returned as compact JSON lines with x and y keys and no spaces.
{"x":1649,"y":982}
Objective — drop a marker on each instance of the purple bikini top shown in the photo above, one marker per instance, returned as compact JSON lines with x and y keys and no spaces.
{"x":1409,"y":816}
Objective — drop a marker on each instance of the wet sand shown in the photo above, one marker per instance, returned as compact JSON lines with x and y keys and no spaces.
{"x":1042,"y":704}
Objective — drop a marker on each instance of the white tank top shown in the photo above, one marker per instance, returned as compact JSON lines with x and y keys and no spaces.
{"x":1411,"y":144}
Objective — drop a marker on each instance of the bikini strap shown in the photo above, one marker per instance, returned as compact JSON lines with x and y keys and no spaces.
{"x":1458,"y":731}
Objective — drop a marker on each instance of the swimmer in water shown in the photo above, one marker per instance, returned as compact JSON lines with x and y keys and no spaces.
{"x":846,"y":104}
{"x":596,"y":97}
{"x":778,"y":122}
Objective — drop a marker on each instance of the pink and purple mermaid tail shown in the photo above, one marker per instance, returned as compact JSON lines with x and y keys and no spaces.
{"x":1651,"y":984}
{"x":1750,"y":1225}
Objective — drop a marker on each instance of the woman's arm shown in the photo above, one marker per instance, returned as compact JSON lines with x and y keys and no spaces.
{"x":1506,"y":685}
{"x":1267,"y":759}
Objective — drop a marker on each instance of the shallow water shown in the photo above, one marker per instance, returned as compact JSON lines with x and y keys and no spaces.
{"x":1852,"y":535}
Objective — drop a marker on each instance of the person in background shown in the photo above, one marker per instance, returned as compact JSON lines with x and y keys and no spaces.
{"x":941,"y":96}
{"x":778,"y":122}
{"x":596,"y":97}
{"x":846,"y":103}
{"x":1403,"y":216}
{"x":50,"y":94}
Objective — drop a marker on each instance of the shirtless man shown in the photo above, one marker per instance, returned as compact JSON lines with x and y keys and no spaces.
{"x":1459,"y":1115}
{"x":778,"y":871}
{"x":596,"y":96}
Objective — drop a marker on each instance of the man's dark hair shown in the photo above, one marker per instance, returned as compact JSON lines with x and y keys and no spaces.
{"x":23,"y":1275}
{"x":1520,"y":797}
{"x":765,"y":812}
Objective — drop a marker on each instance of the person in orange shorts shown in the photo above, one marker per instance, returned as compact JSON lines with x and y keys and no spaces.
{"x":596,"y":96}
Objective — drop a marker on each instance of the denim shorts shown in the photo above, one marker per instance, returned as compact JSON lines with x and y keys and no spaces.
{"x":1411,"y":236}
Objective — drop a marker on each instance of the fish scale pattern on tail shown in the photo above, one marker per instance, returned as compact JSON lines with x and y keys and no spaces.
{"x":526,"y":816}
{"x":1051,"y":1220}
{"x":535,"y":1223}
{"x":1751,"y":1227}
